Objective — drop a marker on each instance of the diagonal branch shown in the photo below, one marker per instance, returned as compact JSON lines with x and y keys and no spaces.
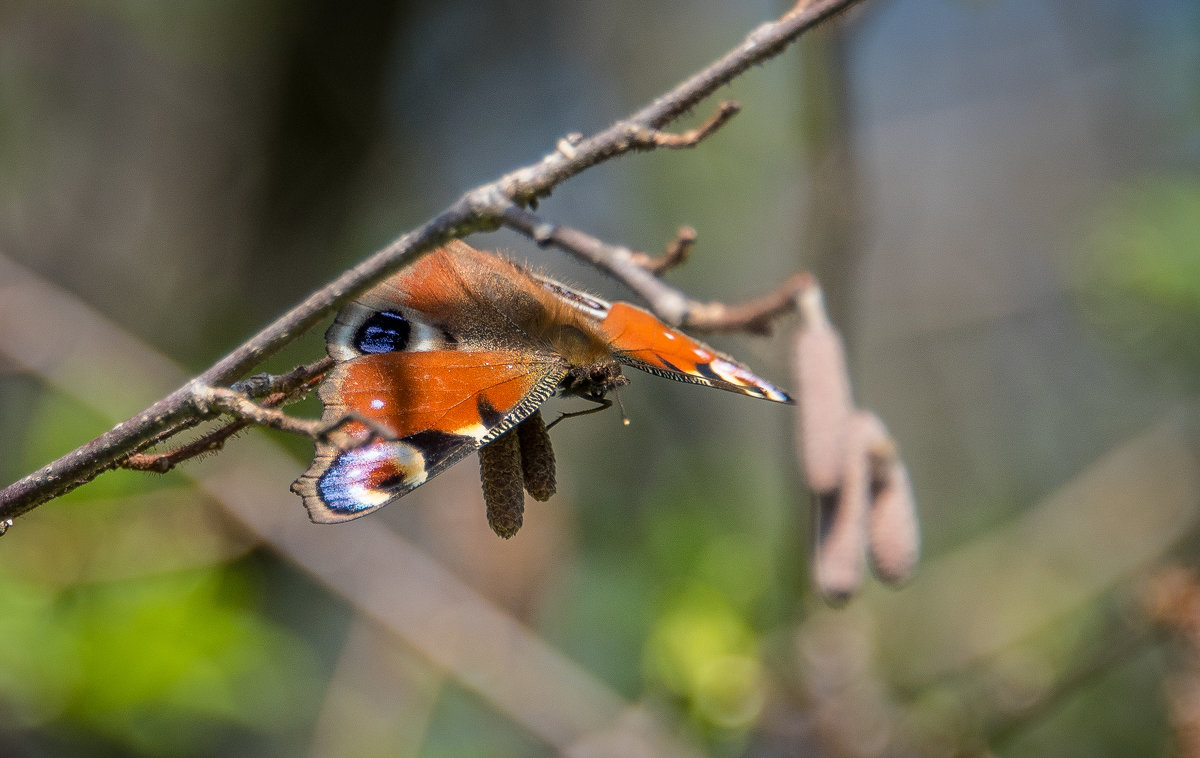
{"x":640,"y":272}
{"x":479,"y":209}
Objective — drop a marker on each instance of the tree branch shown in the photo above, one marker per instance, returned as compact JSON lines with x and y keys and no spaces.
{"x":640,"y":271}
{"x":479,"y":209}
{"x":676,"y":253}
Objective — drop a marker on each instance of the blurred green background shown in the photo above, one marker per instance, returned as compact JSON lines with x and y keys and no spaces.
{"x":1002,"y":199}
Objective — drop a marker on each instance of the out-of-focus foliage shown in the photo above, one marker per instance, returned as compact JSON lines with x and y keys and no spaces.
{"x":702,"y":649}
{"x":130,"y":619}
{"x":1139,"y":274}
{"x":160,"y":665}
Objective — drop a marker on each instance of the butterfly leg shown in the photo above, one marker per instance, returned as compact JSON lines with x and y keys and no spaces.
{"x":602,"y":403}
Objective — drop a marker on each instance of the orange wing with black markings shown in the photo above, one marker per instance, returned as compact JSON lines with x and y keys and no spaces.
{"x":640,"y":340}
{"x":437,"y":406}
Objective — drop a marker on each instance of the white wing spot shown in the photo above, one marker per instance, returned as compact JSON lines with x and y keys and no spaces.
{"x":377,"y":403}
{"x":369,"y":496}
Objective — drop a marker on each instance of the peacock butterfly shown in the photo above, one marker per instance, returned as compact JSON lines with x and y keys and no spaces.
{"x":463,"y":346}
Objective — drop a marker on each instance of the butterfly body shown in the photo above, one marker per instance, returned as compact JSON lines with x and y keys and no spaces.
{"x":461,"y":347}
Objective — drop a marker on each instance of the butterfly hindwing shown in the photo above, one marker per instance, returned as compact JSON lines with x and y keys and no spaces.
{"x":435,"y":406}
{"x":642,"y":341}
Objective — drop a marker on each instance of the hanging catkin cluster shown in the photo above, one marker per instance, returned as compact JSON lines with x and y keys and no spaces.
{"x":519,"y":461}
{"x":861,"y":491}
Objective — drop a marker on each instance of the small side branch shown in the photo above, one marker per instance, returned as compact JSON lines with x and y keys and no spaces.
{"x":223,"y":400}
{"x":676,"y":253}
{"x":754,"y":316}
{"x":639,"y":271}
{"x":274,"y":391}
{"x":292,"y":386}
{"x":646,"y":137}
{"x":161,"y":463}
{"x":230,"y":402}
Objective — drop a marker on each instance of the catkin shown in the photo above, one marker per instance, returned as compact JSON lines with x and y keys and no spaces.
{"x":537,"y":457}
{"x":841,"y":523}
{"x":503,"y":494}
{"x":824,"y":400}
{"x":893,"y":531}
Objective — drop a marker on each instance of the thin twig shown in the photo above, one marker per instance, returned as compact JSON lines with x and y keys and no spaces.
{"x":161,"y":463}
{"x":221,"y":400}
{"x":669,"y":303}
{"x":672,"y":305}
{"x":648,"y":138}
{"x":676,"y":253}
{"x":293,"y":385}
{"x":236,"y":404}
{"x":479,"y":209}
{"x":754,"y":316}
{"x":283,"y":389}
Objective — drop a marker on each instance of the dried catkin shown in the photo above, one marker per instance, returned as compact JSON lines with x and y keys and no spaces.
{"x":893,"y":531}
{"x":537,"y":457}
{"x":503,"y":493}
{"x":824,"y":399}
{"x":841,"y":523}
{"x":894,"y":534}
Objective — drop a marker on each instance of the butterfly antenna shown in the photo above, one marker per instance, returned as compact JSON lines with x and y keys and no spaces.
{"x":621,"y":406}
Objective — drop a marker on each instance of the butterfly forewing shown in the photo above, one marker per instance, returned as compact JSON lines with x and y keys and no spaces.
{"x":642,"y":341}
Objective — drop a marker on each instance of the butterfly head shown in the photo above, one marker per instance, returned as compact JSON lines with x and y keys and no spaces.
{"x":595,"y":380}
